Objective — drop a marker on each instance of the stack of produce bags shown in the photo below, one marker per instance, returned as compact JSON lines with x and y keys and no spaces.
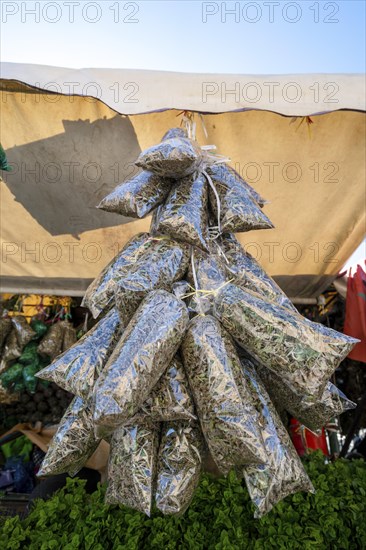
{"x":192,"y":339}
{"x":26,"y":348}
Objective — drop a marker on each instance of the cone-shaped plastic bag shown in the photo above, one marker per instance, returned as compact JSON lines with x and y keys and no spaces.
{"x":132,"y":464}
{"x":175,"y":133}
{"x":23,"y":330}
{"x":136,"y":197}
{"x":225,"y":408}
{"x":165,"y":262}
{"x":223,"y":172}
{"x":184,"y":215}
{"x":172,"y":158}
{"x":77,"y":368}
{"x":5,"y":328}
{"x":74,"y":442}
{"x":179,"y":467}
{"x":281,"y":340}
{"x":332,"y":402}
{"x":51,"y":343}
{"x":140,"y":358}
{"x":171,"y":398}
{"x":238,"y":211}
{"x":283,"y":474}
{"x":248,"y":273}
{"x":99,"y":295}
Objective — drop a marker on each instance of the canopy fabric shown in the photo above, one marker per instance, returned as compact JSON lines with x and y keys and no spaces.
{"x":132,"y":92}
{"x":67,"y":152}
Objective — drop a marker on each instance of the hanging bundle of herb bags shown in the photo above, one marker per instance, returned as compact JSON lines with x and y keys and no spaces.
{"x":166,"y":389}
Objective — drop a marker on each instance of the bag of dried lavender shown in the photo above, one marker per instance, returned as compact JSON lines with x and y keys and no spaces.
{"x":184,"y":215}
{"x":74,"y":442}
{"x":165,"y":262}
{"x":23,"y":330}
{"x":140,"y":358}
{"x":225,"y":408}
{"x":179,"y":467}
{"x":77,"y":368}
{"x":99,"y":296}
{"x":331,"y":403}
{"x":248,"y":273}
{"x":282,"y":341}
{"x":172,"y":158}
{"x":238,"y":212}
{"x":136,"y":197}
{"x":171,"y":397}
{"x":223,"y":172}
{"x":51,"y":343}
{"x":132,"y":464}
{"x":283,"y":474}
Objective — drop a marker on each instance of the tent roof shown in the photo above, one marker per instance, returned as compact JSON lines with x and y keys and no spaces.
{"x":68,"y":151}
{"x":132,"y":91}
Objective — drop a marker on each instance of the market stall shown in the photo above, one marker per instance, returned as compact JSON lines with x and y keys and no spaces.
{"x":179,"y":289}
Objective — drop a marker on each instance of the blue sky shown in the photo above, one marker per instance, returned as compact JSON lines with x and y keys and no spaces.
{"x":188,"y":35}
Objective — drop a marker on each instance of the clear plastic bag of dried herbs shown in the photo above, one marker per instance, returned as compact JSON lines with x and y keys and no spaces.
{"x":77,"y":368}
{"x":209,"y":274}
{"x":223,"y":172}
{"x":179,"y":466}
{"x":132,"y":464}
{"x":225,"y":409}
{"x":164,"y":262}
{"x":281,"y":340}
{"x":51,"y":344}
{"x":175,"y":133}
{"x":5,"y":329}
{"x":176,"y":158}
{"x":12,"y":349}
{"x":23,"y":330}
{"x":184,"y":215}
{"x":248,"y":273}
{"x":136,"y":197}
{"x":74,"y":442}
{"x":171,"y":398}
{"x":70,"y":337}
{"x":331,"y":403}
{"x":238,"y":211}
{"x":283,"y":474}
{"x":99,"y":296}
{"x":140,"y":358}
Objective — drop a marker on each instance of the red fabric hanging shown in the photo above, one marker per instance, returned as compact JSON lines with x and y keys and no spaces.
{"x":355,"y":322}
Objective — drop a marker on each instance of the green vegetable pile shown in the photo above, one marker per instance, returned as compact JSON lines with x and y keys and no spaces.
{"x":219,"y":518}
